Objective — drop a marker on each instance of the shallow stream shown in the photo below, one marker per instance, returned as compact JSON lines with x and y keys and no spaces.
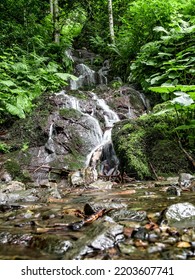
{"x":127,"y":224}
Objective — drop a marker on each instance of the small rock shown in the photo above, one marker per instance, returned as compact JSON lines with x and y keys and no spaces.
{"x":173,"y":190}
{"x":5,"y":176}
{"x":76,"y":179}
{"x":185,"y":180}
{"x":12,"y":186}
{"x":180,"y":212}
{"x":183,"y":244}
{"x":101,"y":185}
{"x":126,"y":248}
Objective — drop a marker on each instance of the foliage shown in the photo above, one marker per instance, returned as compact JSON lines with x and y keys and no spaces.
{"x":168,"y":61}
{"x":137,"y":29}
{"x":23,"y":77}
{"x":30,"y":62}
{"x":4,"y":148}
{"x":183,"y":103}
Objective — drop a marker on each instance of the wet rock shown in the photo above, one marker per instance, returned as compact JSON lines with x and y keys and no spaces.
{"x":126,"y":248}
{"x":15,"y":193}
{"x":5,"y":207}
{"x":173,"y":190}
{"x":175,"y":254}
{"x":186,"y":181}
{"x":19,"y":239}
{"x":181,"y":213}
{"x":76,"y":179}
{"x":128,"y":215}
{"x":153,"y":237}
{"x":5,"y":176}
{"x":100,"y":236}
{"x":101,"y":185}
{"x":12,"y":186}
{"x":156,"y":248}
{"x":140,"y":233}
{"x":50,"y":244}
{"x":84,"y":176}
{"x":53,"y":190}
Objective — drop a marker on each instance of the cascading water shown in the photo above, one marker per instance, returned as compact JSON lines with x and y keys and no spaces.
{"x":95,"y":132}
{"x":86,"y":77}
{"x":101,"y":155}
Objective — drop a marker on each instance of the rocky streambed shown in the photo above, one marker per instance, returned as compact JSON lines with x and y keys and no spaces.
{"x":104,"y":220}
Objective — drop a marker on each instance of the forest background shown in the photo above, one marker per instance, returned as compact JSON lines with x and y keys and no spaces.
{"x":150,"y":44}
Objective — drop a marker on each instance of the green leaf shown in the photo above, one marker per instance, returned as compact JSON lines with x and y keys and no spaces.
{"x":8,"y":83}
{"x":14,"y":110}
{"x":160,"y":29}
{"x":65,"y":76}
{"x":186,"y":127}
{"x":183,"y":99}
{"x":162,"y":89}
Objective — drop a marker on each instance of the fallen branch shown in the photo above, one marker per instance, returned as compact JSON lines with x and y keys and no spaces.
{"x":153,"y":170}
{"x":190,"y":158}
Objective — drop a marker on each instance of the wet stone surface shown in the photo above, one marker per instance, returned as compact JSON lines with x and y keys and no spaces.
{"x":129,"y":221}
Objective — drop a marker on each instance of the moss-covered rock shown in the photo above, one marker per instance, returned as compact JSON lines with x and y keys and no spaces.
{"x":148,"y":146}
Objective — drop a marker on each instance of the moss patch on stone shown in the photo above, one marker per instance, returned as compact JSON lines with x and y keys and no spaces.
{"x":70,"y":113}
{"x":149,"y":144}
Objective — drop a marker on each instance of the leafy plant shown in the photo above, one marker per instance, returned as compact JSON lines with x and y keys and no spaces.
{"x":182,"y":102}
{"x":169,"y":61}
{"x":23,"y":78}
{"x":4,"y":148}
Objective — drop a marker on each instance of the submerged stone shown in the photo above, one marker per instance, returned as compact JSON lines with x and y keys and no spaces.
{"x":181,"y":214}
{"x":128,"y":215}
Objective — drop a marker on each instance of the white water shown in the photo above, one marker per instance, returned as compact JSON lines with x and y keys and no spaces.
{"x":110,"y":118}
{"x":86,"y":77}
{"x":95,"y":129}
{"x":99,"y":137}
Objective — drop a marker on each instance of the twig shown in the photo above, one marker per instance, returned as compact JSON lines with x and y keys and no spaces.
{"x":153,"y":170}
{"x":186,"y":153}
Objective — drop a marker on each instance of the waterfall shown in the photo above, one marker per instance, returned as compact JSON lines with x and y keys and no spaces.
{"x":103,"y":155}
{"x":86,"y":77}
{"x":72,"y":102}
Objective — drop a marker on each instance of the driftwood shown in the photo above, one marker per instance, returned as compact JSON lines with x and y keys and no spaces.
{"x":61,"y":171}
{"x":89,"y":216}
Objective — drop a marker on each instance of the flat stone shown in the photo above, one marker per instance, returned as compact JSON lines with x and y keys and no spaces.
{"x":101,"y":185}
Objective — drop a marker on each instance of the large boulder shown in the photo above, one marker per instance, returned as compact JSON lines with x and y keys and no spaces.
{"x":147,"y":147}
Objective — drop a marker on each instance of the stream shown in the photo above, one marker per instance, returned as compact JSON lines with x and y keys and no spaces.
{"x":129,"y":224}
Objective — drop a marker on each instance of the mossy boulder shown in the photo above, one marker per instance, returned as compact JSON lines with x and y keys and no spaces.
{"x":148,"y":146}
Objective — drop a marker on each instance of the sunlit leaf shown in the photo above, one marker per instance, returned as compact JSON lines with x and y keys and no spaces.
{"x":8,"y":83}
{"x":66,"y":76}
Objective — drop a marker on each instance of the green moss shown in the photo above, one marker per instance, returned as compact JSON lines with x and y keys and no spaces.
{"x":70,"y":113}
{"x":79,"y":94}
{"x":167,"y":157}
{"x":13,"y":168}
{"x":132,"y":149}
{"x":149,"y":141}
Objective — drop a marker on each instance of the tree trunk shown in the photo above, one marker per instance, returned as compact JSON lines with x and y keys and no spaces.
{"x":54,"y":9}
{"x":111,"y":22}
